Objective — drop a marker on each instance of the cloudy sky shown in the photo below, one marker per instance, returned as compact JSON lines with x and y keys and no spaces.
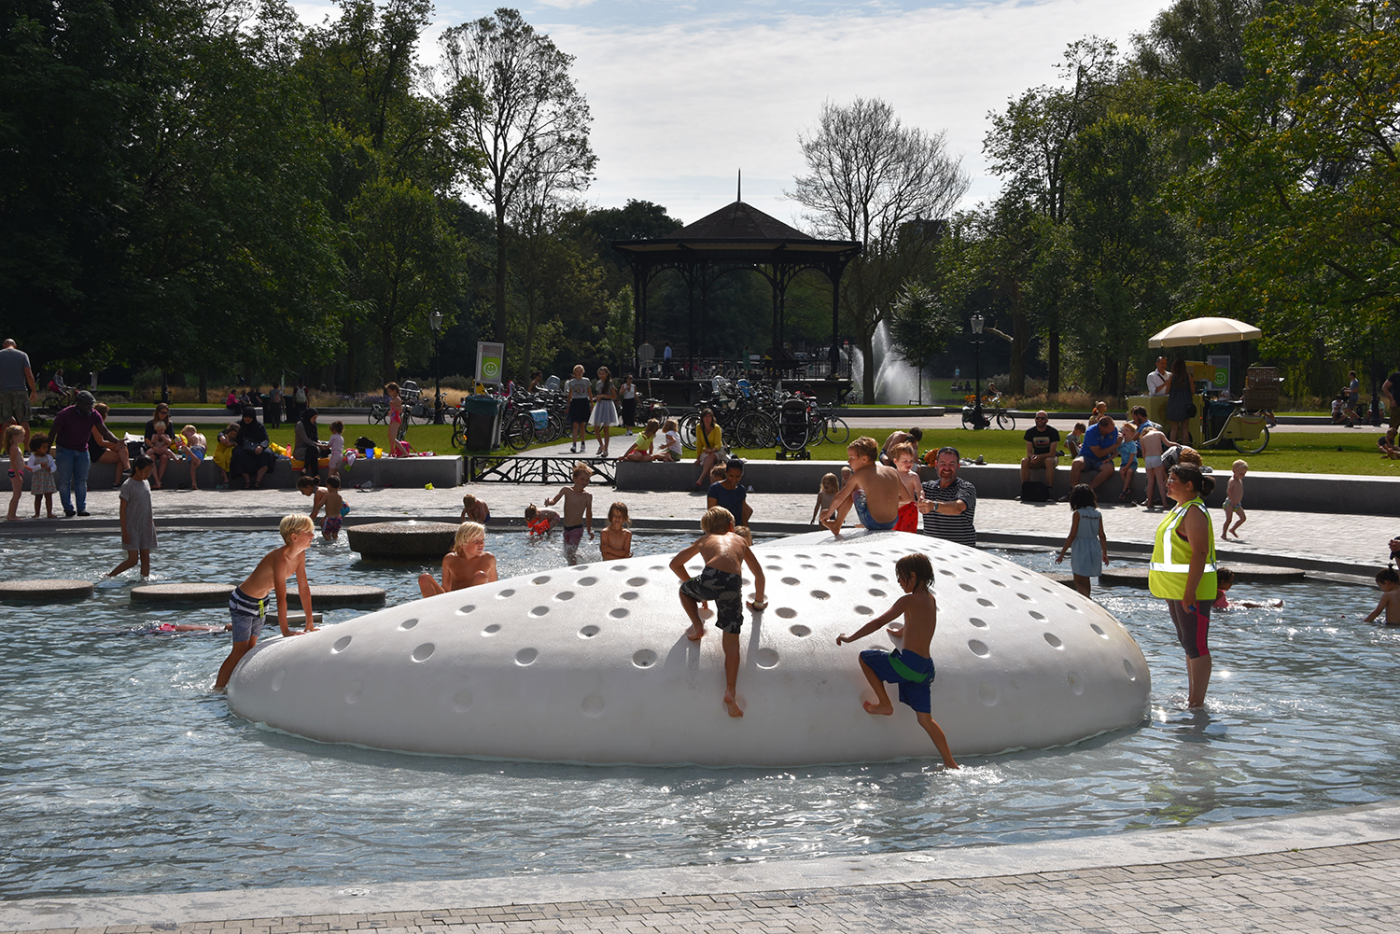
{"x":685,"y":94}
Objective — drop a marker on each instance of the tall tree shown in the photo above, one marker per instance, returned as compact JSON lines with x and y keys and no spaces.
{"x":883,"y":185}
{"x":532,"y":127}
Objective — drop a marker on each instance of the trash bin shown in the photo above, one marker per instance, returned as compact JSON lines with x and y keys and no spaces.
{"x":483,"y":422}
{"x":1219,"y":412}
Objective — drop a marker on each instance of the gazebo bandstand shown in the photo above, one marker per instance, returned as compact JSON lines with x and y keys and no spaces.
{"x":737,"y":237}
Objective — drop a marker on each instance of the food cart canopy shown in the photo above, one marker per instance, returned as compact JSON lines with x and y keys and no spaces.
{"x":1199,"y":331}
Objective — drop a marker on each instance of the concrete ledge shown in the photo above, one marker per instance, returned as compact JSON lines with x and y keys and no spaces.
{"x":45,"y":590}
{"x":1244,"y":574}
{"x":200,"y":593}
{"x":401,"y":541}
{"x":439,"y":470}
{"x":337,"y":595}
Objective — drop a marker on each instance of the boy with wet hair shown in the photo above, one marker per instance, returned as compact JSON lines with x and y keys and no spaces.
{"x":874,"y":489}
{"x":248,"y":603}
{"x":911,"y":667}
{"x":1389,"y":583}
{"x":468,"y":564}
{"x":723,"y":551}
{"x":578,"y":511}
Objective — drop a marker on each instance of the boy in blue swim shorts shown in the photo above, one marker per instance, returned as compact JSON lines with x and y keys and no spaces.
{"x":248,"y":604}
{"x":912,"y":666}
{"x":724,"y":552}
{"x":874,"y":489}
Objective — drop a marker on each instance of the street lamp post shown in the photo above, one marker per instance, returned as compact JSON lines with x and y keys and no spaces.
{"x":435,"y":322}
{"x":977,"y":424}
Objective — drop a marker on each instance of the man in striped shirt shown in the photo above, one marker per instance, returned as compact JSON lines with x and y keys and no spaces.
{"x":951,"y":502}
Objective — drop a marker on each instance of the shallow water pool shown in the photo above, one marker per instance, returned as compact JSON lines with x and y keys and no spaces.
{"x":124,"y":775}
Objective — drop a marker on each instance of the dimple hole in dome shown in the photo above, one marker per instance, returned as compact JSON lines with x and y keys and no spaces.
{"x":526,"y":657}
{"x":985,"y":602}
{"x":821,"y":595}
{"x":766,"y":658}
{"x":588,"y":632}
{"x":800,"y":631}
{"x":505,"y":594}
{"x":342,"y":644}
{"x":838,"y":564}
{"x":628,"y":595}
{"x":619,"y":613}
{"x":1098,"y":630}
{"x":1074,"y":608}
{"x":469,"y":608}
{"x":1076,"y":684}
{"x":808,"y":567}
{"x":564,"y":595}
{"x":836,"y":580}
{"x":1054,"y":641}
{"x":878,"y":577}
{"x":979,"y":648}
{"x":1128,"y":667}
{"x":423,"y":652}
{"x":947,"y":573}
{"x":786,"y":612}
{"x":278,"y":678}
{"x":542,"y":579}
{"x":409,"y":623}
{"x":862,"y":610}
{"x":587,"y":581}
{"x":979,"y":623}
{"x":968,"y":587}
{"x":1025,"y":596}
{"x":791,"y":581}
{"x":491,"y":630}
{"x":876,"y":592}
{"x":1034,"y":615}
{"x":803,"y":556}
{"x":618,"y":567}
{"x":637,"y":582}
{"x":539,"y":611}
{"x":644,"y":658}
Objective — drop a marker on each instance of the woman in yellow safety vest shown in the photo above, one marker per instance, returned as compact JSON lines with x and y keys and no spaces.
{"x":1183,"y":572}
{"x":709,"y":444}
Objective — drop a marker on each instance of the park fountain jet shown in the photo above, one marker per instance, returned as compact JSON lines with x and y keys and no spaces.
{"x":896,"y":379}
{"x":591,"y":664}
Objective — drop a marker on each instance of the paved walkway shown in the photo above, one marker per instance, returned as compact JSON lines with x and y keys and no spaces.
{"x":1324,"y":871}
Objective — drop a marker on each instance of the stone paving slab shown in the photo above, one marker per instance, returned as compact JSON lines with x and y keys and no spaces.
{"x":1319,"y":871}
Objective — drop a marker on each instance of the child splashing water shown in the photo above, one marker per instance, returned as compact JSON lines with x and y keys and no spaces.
{"x":466,"y":565}
{"x":615,"y":541}
{"x":137,"y":519}
{"x":578,"y":511}
{"x":41,"y":473}
{"x":912,"y":666}
{"x":540,"y":522}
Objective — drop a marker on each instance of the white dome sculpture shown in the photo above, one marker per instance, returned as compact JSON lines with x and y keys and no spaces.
{"x":591,"y":664}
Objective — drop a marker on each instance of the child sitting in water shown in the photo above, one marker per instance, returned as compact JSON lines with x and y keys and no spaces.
{"x":475,"y":510}
{"x":615,"y":541}
{"x":911,"y":667}
{"x":1389,"y":583}
{"x":905,"y":457}
{"x":466,"y":565}
{"x":248,"y":604}
{"x":875,"y":490}
{"x":578,"y":511}
{"x":824,"y":496}
{"x":724,"y":552}
{"x":540,"y":521}
{"x":336,"y":510}
{"x":1224,"y":580}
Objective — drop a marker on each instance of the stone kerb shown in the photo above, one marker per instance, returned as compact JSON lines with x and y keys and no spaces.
{"x":401,"y":541}
{"x":45,"y":590}
{"x":196,"y":592}
{"x":1244,"y":574}
{"x":397,"y":472}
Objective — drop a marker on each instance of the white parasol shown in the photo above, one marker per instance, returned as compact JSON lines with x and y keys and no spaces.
{"x":1199,"y":331}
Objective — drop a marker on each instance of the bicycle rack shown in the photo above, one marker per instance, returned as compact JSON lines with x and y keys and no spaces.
{"x":518,"y":468}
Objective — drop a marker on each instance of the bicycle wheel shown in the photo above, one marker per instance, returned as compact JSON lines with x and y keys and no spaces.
{"x":756,"y":430}
{"x":377,"y":414}
{"x":687,"y":430}
{"x":459,"y":432}
{"x":1245,"y":446}
{"x":553,"y":428}
{"x":968,"y":421}
{"x":1005,"y":421}
{"x":835,"y":430}
{"x":519,"y":432}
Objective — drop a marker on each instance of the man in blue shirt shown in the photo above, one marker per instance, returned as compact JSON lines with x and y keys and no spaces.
{"x":1096,"y":454}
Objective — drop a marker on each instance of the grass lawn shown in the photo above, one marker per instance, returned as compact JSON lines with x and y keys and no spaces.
{"x":1347,"y":452}
{"x":435,"y":438}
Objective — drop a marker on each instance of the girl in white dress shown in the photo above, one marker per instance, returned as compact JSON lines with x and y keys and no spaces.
{"x":604,"y":415}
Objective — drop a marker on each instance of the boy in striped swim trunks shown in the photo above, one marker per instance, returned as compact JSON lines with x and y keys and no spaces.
{"x":248,"y":603}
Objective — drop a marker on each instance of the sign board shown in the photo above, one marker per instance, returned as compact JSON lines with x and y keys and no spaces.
{"x":1219,"y":375}
{"x":490,"y":362}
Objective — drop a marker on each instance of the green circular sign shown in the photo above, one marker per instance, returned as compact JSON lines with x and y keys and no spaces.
{"x":490,"y":369}
{"x":1222,"y":376}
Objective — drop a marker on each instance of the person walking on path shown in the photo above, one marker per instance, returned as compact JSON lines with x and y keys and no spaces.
{"x":580,"y":392}
{"x":72,"y":428}
{"x":950,"y":509}
{"x":604,"y":417}
{"x":18,"y":391}
{"x":1182,"y":572}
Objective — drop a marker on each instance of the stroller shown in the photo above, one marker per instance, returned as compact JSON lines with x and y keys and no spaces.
{"x":794,"y":430}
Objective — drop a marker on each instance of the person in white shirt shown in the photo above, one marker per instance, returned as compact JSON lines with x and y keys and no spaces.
{"x":1157,"y":378}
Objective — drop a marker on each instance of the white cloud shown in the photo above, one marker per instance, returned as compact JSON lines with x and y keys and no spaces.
{"x":678,"y":108}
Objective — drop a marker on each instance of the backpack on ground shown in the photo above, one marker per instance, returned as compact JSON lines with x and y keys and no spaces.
{"x":1034,"y":491}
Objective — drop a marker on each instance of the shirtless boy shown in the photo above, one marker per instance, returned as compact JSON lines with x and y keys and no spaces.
{"x":1153,"y":443}
{"x":1389,"y":583}
{"x":466,"y":565}
{"x":248,"y":603}
{"x":1234,"y":499}
{"x":723,"y":550}
{"x":911,"y":667}
{"x":578,"y":511}
{"x":905,"y":457}
{"x":875,"y":489}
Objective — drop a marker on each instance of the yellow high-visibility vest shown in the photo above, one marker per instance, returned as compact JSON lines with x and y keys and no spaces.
{"x":1171,"y":557}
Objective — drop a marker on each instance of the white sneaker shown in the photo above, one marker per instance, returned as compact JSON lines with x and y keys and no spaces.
{"x":573,"y":449}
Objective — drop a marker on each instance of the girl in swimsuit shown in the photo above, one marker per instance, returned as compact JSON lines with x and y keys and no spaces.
{"x":396,"y":449}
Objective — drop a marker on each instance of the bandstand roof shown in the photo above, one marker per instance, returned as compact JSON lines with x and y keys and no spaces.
{"x":738,"y":233}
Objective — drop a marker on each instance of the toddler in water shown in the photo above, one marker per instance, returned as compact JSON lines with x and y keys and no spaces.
{"x":14,"y":438}
{"x":1389,"y":583}
{"x":137,"y":518}
{"x":911,"y":667}
{"x":615,"y":541}
{"x":824,"y":496}
{"x":1224,"y":580}
{"x":578,"y":511}
{"x":1087,"y":556}
{"x":466,"y":565}
{"x":1234,"y":500}
{"x":41,"y":469}
{"x":540,"y":521}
